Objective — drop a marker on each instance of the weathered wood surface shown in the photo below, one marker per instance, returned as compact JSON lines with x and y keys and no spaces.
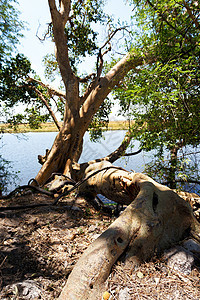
{"x":155,"y":219}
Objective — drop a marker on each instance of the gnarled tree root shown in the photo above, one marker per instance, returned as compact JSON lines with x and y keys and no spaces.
{"x":156,"y":219}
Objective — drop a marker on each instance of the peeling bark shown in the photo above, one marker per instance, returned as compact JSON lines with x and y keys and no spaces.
{"x":108,"y":182}
{"x":156,"y":219}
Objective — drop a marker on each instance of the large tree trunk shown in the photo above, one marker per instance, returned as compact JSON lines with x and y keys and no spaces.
{"x":67,"y":143}
{"x":79,"y":110}
{"x":65,"y":150}
{"x":156,"y":218}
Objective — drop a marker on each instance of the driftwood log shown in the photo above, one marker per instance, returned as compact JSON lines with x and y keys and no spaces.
{"x":155,"y":218}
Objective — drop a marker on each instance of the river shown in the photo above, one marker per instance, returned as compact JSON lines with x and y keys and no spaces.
{"x":22,"y":150}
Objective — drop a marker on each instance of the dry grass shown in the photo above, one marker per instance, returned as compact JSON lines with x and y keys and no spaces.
{"x":119,"y":125}
{"x":45,"y":127}
{"x":51,"y":127}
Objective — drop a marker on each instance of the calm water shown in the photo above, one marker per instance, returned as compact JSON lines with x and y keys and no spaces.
{"x":22,"y":150}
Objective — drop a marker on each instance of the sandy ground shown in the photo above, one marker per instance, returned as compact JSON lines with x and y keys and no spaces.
{"x":39,"y":247}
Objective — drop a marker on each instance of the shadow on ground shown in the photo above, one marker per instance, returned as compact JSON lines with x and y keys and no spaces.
{"x":39,"y":247}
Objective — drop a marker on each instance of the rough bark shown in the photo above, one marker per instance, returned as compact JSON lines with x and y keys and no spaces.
{"x":107,"y":182}
{"x":78,"y":110}
{"x":68,"y":140}
{"x":156,"y":218}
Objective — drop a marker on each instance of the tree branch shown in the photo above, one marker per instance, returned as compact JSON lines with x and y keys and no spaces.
{"x":65,"y":9}
{"x":90,"y":87}
{"x":164,"y":18}
{"x":111,"y":35}
{"x":100,"y":55}
{"x":133,"y":153}
{"x":59,"y":20}
{"x":47,"y":106}
{"x":100,"y":60}
{"x":195,"y":21}
{"x":51,"y":89}
{"x":99,"y":64}
{"x":120,"y":151}
{"x":88,"y":77}
{"x":105,"y":84}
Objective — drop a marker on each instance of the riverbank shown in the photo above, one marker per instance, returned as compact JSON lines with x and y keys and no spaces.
{"x":51,"y":127}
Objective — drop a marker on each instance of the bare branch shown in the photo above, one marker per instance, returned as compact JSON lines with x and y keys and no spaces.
{"x":133,"y":153}
{"x":99,"y":66}
{"x":104,"y":85}
{"x":100,"y":60}
{"x":111,"y":35}
{"x":195,"y":21}
{"x":46,"y":34}
{"x":88,"y":77}
{"x":50,"y":89}
{"x":120,"y":151}
{"x":47,"y":106}
{"x":100,"y":54}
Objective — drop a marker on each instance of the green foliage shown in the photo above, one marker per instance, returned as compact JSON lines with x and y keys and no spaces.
{"x":10,"y":27}
{"x":80,"y":33}
{"x":13,"y":74}
{"x":167,"y":27}
{"x":6,"y":175}
{"x":51,"y":67}
{"x":163,"y":98}
{"x":100,"y":121}
{"x":14,"y":90}
{"x":164,"y":101}
{"x":34,"y":117}
{"x":187,"y":168}
{"x":14,"y":68}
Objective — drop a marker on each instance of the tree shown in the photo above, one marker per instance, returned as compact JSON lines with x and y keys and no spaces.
{"x":156,"y":216}
{"x":155,"y":219}
{"x":10,"y":27}
{"x":150,"y":219}
{"x":69,"y":23}
{"x":15,"y":70}
{"x":169,"y":47}
{"x":163,"y":98}
{"x":12,"y":69}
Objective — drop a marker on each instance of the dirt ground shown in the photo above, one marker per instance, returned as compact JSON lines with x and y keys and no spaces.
{"x":39,"y":247}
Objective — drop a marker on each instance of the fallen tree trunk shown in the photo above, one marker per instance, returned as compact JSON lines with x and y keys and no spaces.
{"x":107,"y":182}
{"x":155,"y":219}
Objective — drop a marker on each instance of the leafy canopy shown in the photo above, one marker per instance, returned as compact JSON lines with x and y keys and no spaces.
{"x":10,"y":27}
{"x":163,"y":98}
